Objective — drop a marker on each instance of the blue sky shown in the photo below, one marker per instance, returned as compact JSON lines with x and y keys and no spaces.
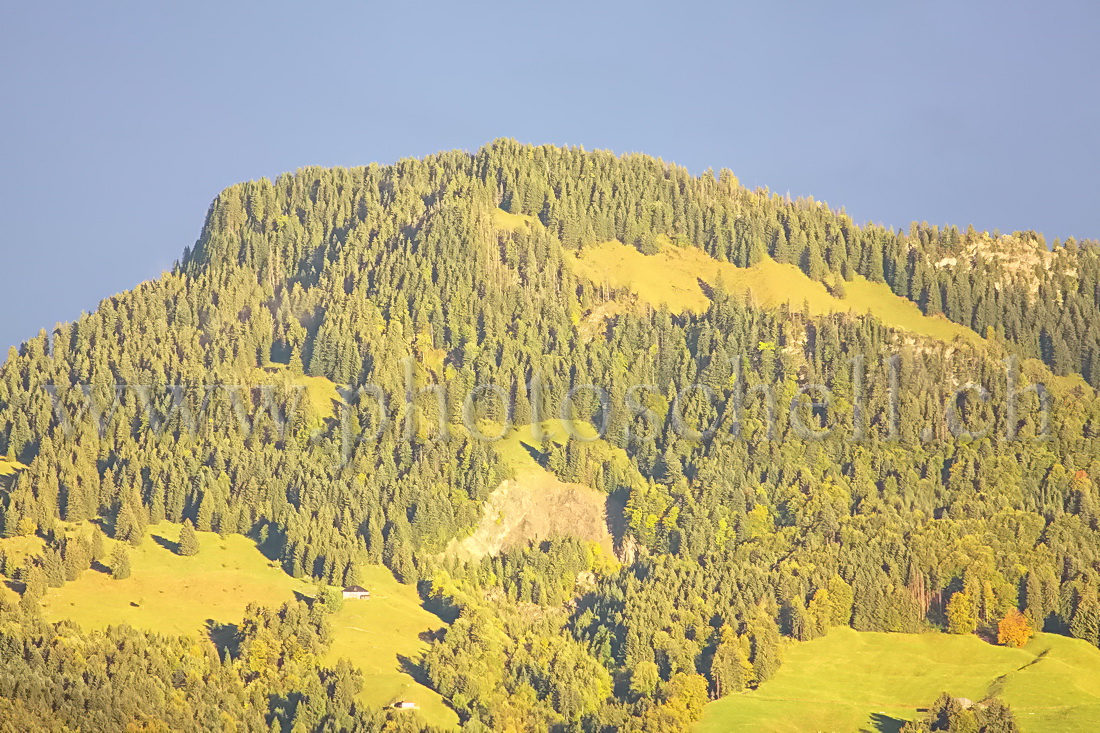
{"x":121,"y":121}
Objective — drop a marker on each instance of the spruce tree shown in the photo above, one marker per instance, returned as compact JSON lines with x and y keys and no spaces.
{"x":120,"y":563}
{"x":189,"y":540}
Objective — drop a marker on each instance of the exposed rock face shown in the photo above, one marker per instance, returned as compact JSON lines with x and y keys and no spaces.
{"x":533,"y":509}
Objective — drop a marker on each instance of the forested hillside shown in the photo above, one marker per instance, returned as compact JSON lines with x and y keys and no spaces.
{"x":908,"y":500}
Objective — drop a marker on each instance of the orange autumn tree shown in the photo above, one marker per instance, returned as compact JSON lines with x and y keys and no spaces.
{"x":1014,"y":629}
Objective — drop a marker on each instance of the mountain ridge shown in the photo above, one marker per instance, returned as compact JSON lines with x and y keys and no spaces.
{"x":301,"y":376}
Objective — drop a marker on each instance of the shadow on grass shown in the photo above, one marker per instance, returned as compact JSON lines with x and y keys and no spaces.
{"x":414,"y":670}
{"x":540,"y":458}
{"x":884,"y":723}
{"x":224,"y":637}
{"x":105,"y":526}
{"x":269,"y":540}
{"x":430,"y":635}
{"x":438,"y":606}
{"x":706,"y":287}
{"x":173,"y":547}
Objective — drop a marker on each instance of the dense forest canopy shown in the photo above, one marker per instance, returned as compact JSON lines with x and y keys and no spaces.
{"x":940,"y":485}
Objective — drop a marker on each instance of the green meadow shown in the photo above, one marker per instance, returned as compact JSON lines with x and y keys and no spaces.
{"x":856,"y":681}
{"x":383,"y":634}
{"x":9,"y":466}
{"x":321,"y":394}
{"x":208,"y":592}
{"x":512,"y":222}
{"x":672,"y":277}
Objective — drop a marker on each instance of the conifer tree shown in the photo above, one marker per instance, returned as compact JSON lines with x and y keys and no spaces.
{"x":53,"y":567}
{"x":189,"y":540}
{"x":97,"y":548}
{"x":727,"y":667}
{"x":1085,"y":623}
{"x":34,"y":581}
{"x":120,"y":563}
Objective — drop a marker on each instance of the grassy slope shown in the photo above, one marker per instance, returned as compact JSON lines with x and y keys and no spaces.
{"x":9,"y":466}
{"x":671,"y":277}
{"x":862,"y":296}
{"x":512,"y":222}
{"x":511,"y":447}
{"x":181,"y":595}
{"x":321,"y":393}
{"x":850,"y":681}
{"x":20,"y":548}
{"x":174,"y":594}
{"x":377,"y":634}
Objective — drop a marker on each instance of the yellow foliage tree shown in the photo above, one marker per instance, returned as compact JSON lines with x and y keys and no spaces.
{"x":961,"y":617}
{"x":1014,"y":629}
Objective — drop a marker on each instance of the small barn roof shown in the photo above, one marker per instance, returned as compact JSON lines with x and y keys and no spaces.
{"x":355,"y":589}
